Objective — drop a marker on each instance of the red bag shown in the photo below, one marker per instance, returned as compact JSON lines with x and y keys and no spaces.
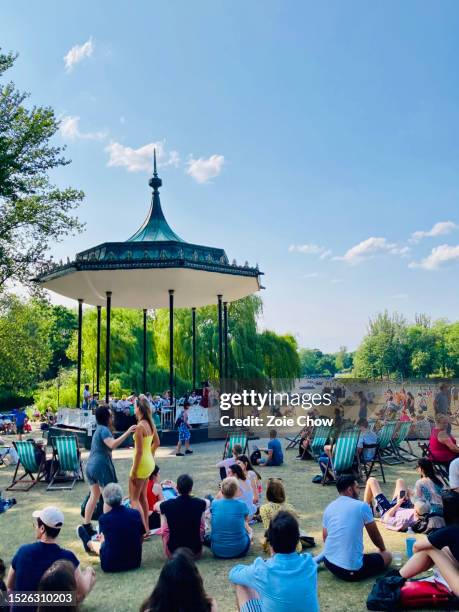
{"x":424,"y":594}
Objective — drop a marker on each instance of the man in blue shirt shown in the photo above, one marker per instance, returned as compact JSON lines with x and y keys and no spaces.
{"x":287,"y":582}
{"x":275,"y":454}
{"x":32,"y":560}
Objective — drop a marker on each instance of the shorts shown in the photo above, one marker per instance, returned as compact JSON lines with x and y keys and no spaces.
{"x":384,"y":504}
{"x":184,"y":434}
{"x":252,"y":605}
{"x":19,"y":429}
{"x":373,"y":564}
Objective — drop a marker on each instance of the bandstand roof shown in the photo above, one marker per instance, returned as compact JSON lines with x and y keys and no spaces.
{"x":141,"y":271}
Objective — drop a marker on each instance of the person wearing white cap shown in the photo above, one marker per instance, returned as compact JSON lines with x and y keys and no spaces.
{"x":32,"y":560}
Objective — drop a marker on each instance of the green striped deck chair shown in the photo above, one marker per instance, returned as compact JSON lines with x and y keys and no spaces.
{"x":400,"y":438}
{"x":32,"y":462}
{"x":235,"y":437}
{"x":385,"y":449}
{"x":321,"y":435}
{"x":343,"y":454}
{"x":67,"y":463}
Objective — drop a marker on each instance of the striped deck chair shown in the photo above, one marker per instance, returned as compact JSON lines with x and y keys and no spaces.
{"x":292,"y":442}
{"x":400,"y":438}
{"x":321,"y":435}
{"x":385,"y":450}
{"x":32,"y":461}
{"x":343,"y":454}
{"x":67,"y":463}
{"x":235,"y":437}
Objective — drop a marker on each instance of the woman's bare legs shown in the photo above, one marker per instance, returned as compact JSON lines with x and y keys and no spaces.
{"x":135,"y":492}
{"x":443,"y":561}
{"x":373,"y":488}
{"x":144,"y":502}
{"x":94,"y":496}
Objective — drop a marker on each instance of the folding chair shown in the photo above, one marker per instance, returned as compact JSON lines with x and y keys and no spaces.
{"x":385,"y":450}
{"x":66,"y":460}
{"x":439,"y":468}
{"x":292,"y":442}
{"x":32,"y":467}
{"x":232,"y":438}
{"x":343,"y":453}
{"x":401,"y":438}
{"x":321,"y":435}
{"x":366,"y":466}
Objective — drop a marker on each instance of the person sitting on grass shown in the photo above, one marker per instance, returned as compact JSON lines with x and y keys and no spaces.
{"x":399,"y":514}
{"x":179,"y":587}
{"x":343,"y":523}
{"x":182,"y":519}
{"x":32,"y":560}
{"x":231,"y":534}
{"x":439,"y":549}
{"x":245,"y":492}
{"x":253,"y":477}
{"x":121,"y":529}
{"x":154,"y":495}
{"x":274,"y":451}
{"x":287,"y":582}
{"x":275,"y":496}
{"x":184,"y":432}
{"x":59,"y":578}
{"x":225,"y":464}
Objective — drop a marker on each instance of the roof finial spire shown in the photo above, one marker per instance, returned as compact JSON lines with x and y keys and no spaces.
{"x":155,"y":182}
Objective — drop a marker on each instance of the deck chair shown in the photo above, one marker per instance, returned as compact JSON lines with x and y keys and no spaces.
{"x":235,"y":437}
{"x":67,"y":465}
{"x":439,"y":468}
{"x":32,"y":462}
{"x":400,"y":438}
{"x":292,"y":442}
{"x":319,"y":440}
{"x":385,"y":449}
{"x":343,"y":454}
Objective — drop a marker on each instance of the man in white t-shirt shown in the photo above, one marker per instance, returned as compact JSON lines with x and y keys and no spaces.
{"x":454,"y":475}
{"x":343,"y":523}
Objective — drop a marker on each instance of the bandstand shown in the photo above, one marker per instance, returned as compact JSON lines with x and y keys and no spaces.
{"x":154,"y":268}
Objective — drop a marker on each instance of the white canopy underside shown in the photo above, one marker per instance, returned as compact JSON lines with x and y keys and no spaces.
{"x":149,"y":288}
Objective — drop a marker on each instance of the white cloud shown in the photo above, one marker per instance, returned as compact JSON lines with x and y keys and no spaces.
{"x":439,"y":229}
{"x":141,"y":159}
{"x":336,"y":281}
{"x":370,"y":248}
{"x":399,"y":296}
{"x":439,"y":255}
{"x":202,"y":169}
{"x":310,"y":249}
{"x":77,"y":53}
{"x":70,"y":130}
{"x":311,"y":275}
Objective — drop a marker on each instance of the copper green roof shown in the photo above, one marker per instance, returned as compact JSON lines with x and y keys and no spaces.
{"x":155,"y":228}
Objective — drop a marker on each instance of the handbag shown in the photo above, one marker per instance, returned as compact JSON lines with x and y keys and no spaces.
{"x":425,"y":594}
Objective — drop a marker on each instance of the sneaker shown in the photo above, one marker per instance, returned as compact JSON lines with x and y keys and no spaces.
{"x":90,"y":530}
{"x":84,"y":537}
{"x":188,"y":452}
{"x":179,"y":455}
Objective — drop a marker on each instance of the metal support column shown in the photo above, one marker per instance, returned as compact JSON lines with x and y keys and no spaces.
{"x":80,"y":328}
{"x":107,"y":347}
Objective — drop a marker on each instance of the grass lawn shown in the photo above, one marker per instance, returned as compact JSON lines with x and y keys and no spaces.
{"x":120,"y":592}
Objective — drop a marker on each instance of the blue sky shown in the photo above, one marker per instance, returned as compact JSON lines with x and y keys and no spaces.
{"x":312,"y":138}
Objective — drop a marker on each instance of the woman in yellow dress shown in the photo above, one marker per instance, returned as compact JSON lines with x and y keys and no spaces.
{"x":146,"y":441}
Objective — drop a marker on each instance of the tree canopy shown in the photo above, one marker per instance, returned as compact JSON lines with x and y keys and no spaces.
{"x":34,"y":213}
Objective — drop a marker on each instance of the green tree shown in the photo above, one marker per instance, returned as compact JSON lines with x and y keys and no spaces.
{"x":34,"y":213}
{"x":25,"y":345}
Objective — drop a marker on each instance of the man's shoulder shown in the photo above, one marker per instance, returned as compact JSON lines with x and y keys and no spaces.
{"x":28,"y":549}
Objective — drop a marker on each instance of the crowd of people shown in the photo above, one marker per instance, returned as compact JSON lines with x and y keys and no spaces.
{"x":223,"y":521}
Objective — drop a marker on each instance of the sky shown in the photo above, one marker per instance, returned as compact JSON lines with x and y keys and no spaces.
{"x":319,"y":140}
